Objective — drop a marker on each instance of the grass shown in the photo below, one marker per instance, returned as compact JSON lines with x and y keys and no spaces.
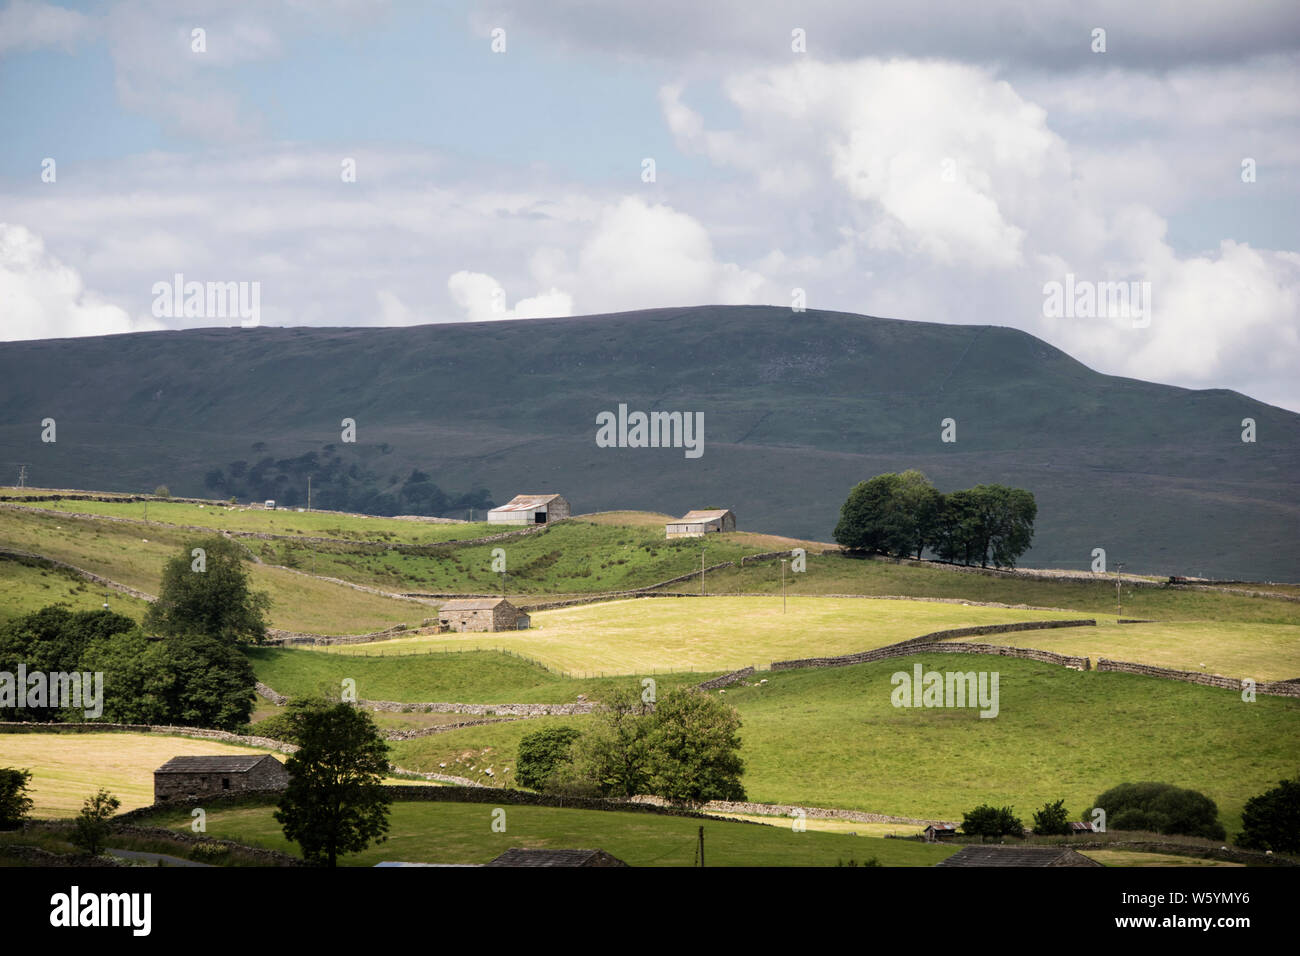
{"x":709,"y":634}
{"x":836,"y":574}
{"x":475,"y":677}
{"x":135,"y":556}
{"x":462,"y":833}
{"x":68,"y":768}
{"x":831,"y":738}
{"x":27,"y":586}
{"x":1265,"y":652}
{"x":1140,"y":858}
{"x":282,"y":521}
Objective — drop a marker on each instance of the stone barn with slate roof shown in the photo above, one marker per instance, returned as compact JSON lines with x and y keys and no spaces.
{"x":1017,"y":856}
{"x":482,"y":614}
{"x":519,"y":856}
{"x":189,"y":778}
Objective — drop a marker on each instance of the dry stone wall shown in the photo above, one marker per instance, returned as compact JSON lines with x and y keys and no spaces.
{"x":928,"y":643}
{"x":726,"y":680}
{"x":1274,"y":688}
{"x":199,"y":733}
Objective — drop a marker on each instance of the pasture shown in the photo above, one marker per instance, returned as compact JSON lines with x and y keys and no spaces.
{"x":648,"y":635}
{"x":462,"y":833}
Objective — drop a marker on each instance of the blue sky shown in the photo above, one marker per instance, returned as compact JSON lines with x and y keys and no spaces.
{"x":927,"y":162}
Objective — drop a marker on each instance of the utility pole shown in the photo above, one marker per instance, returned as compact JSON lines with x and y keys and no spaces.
{"x":701,"y":846}
{"x":22,"y":476}
{"x":701,"y":582}
{"x":1118,"y":569}
{"x":309,"y":492}
{"x":783,"y":560}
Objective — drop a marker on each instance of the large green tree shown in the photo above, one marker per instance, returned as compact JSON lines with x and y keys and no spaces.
{"x":542,"y":753}
{"x":190,"y":680}
{"x":208,"y":593}
{"x":1161,"y":808}
{"x":15,"y":804}
{"x":335,"y":801}
{"x":694,"y":749}
{"x":54,"y":639}
{"x":1271,"y":820}
{"x":610,"y":758}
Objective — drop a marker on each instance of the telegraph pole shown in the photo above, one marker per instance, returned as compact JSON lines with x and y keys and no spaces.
{"x":783,"y":560}
{"x":701,"y":595}
{"x":22,"y":476}
{"x":309,"y":492}
{"x":701,"y":846}
{"x":1118,"y":569}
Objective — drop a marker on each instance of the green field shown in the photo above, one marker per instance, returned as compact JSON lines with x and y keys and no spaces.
{"x":286,"y":521}
{"x":1263,"y":652}
{"x":837,"y":574}
{"x":27,"y":586}
{"x":711,"y":633}
{"x":462,"y":833}
{"x":832,"y":738}
{"x":135,"y":555}
{"x":473,"y":677}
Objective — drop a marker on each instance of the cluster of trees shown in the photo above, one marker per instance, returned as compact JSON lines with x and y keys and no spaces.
{"x":989,"y":822}
{"x":905,"y":515}
{"x":684,"y":748}
{"x":339,"y":486}
{"x":183,"y":666}
{"x":1161,"y":808}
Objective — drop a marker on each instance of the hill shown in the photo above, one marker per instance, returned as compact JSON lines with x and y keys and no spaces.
{"x":797,"y":408}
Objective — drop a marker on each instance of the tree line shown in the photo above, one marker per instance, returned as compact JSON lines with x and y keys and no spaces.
{"x":904,"y":515}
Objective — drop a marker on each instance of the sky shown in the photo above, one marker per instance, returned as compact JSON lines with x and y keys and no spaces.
{"x":370,"y":163}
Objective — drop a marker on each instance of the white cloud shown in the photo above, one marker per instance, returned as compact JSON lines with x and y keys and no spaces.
{"x":27,"y":25}
{"x":40,"y":297}
{"x":482,"y":298}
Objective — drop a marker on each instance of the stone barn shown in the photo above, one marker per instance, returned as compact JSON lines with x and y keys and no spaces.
{"x":530,"y":509}
{"x":482,"y":614}
{"x":939,"y":831}
{"x":693,"y":524}
{"x":189,"y":778}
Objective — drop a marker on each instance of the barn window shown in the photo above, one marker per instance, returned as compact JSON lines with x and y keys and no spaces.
{"x":225,"y":783}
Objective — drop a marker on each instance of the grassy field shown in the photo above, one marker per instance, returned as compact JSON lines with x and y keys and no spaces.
{"x":475,"y":677}
{"x":67,"y":768}
{"x":1259,"y":651}
{"x":836,"y":574}
{"x":462,"y":833}
{"x":135,"y":556}
{"x":831,"y":738}
{"x":709,"y":634}
{"x":26,"y":587}
{"x":1139,"y":858}
{"x":283,"y":521}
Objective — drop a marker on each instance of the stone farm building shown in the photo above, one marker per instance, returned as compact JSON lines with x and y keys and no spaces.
{"x":696,"y":523}
{"x":482,"y":614}
{"x":187,"y":778}
{"x":530,"y":509}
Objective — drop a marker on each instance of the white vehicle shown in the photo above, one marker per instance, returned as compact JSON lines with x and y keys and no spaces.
{"x":270,"y":504}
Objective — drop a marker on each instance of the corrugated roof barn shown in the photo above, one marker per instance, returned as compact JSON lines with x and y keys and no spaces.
{"x":530,"y":509}
{"x":695,"y":523}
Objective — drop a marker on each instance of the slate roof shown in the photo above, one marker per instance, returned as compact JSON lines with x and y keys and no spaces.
{"x":526,"y":502}
{"x":213,"y":764}
{"x":473,"y":604}
{"x":1017,"y":856}
{"x":518,"y":856}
